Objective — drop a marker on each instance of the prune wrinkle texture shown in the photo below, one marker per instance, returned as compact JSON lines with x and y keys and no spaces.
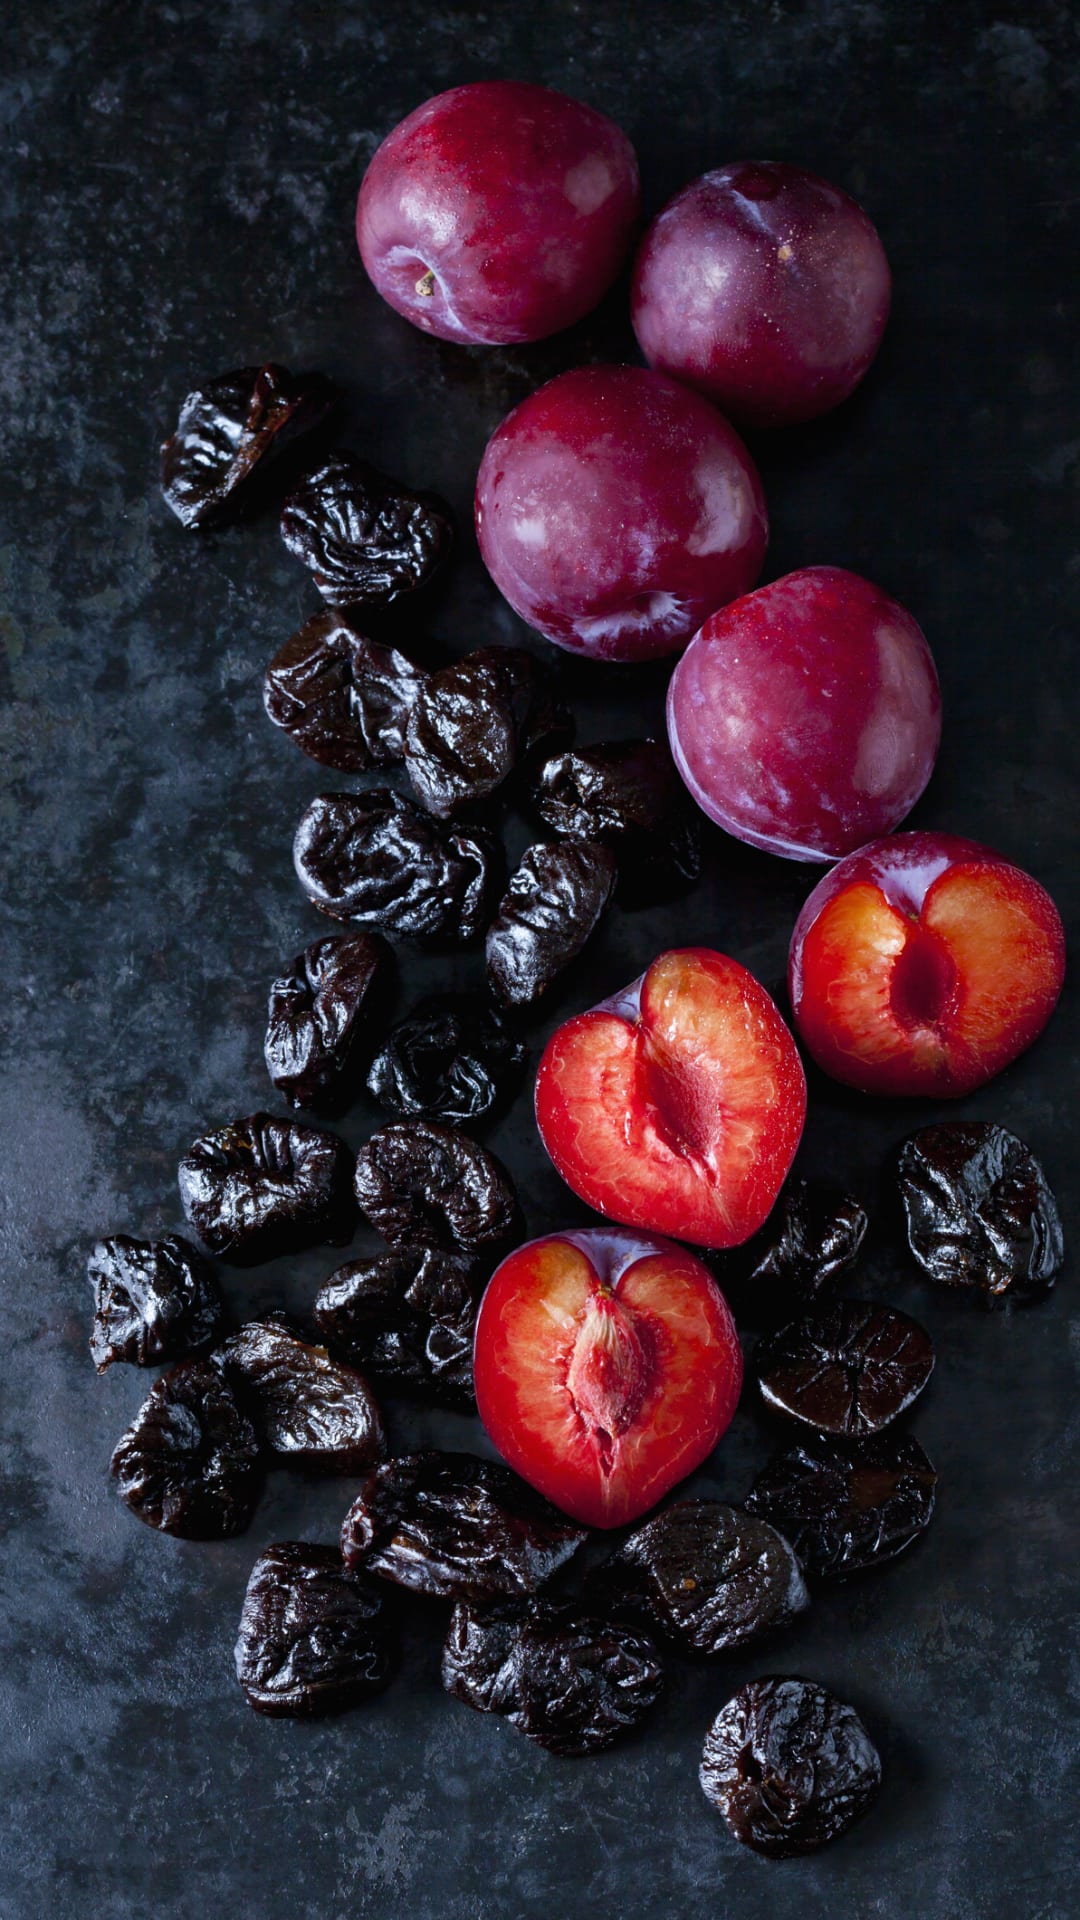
{"x":810,"y":1240}
{"x":366,"y":538}
{"x":264,"y":1187}
{"x":406,"y":1319}
{"x":456,"y":1527}
{"x":319,"y":1018}
{"x":421,"y":1184}
{"x":628,"y":794}
{"x":849,"y":1368}
{"x":980,"y":1212}
{"x":847,"y":1505}
{"x":230,"y":427}
{"x":450,"y":1058}
{"x":551,"y":908}
{"x":153,"y":1300}
{"x":474,"y":721}
{"x":314,"y":1638}
{"x":376,"y":859}
{"x":343,"y":698}
{"x":704,"y":1575}
{"x":788,"y":1766}
{"x":571,"y":1682}
{"x":305,"y":1406}
{"x":189,"y":1462}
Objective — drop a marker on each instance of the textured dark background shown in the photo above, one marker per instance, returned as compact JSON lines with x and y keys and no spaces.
{"x":177,"y":198}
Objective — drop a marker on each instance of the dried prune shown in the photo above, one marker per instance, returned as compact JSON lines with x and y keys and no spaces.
{"x":550,"y":909}
{"x":810,"y":1240}
{"x":848,"y":1368}
{"x":789,"y":1766}
{"x":451,"y":1525}
{"x":451,"y":1057}
{"x":153,"y":1300}
{"x":980,"y":1212}
{"x":343,"y":698}
{"x":706,"y":1576}
{"x":303,"y":1404}
{"x":421,"y":1184}
{"x":264,"y":1186}
{"x":231,"y":426}
{"x":376,"y":859}
{"x":628,"y":794}
{"x":406,"y":1319}
{"x":319,"y":1016}
{"x":568,"y":1681}
{"x":189,"y":1462}
{"x":365,"y":537}
{"x":475,"y":721}
{"x":313,"y":1637}
{"x":847,"y":1504}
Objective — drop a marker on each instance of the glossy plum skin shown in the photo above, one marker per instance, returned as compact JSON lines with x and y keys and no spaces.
{"x":764,"y":287}
{"x":616,"y":510}
{"x":924,"y":964}
{"x":498,"y":212}
{"x":805,"y":719}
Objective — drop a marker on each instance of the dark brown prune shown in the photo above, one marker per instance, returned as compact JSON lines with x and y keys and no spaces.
{"x":451,"y":1058}
{"x":706,"y":1576}
{"x":153,"y":1300}
{"x":314,"y":1638}
{"x":474,"y":722}
{"x":424,"y":1185}
{"x":263,"y":1187}
{"x":810,"y":1240}
{"x":789,"y":1766}
{"x":550,"y":909}
{"x":319,"y":1018}
{"x":453,"y":1526}
{"x":628,"y":794}
{"x":407,"y":1320}
{"x":343,"y":698}
{"x":189,"y":1462}
{"x":376,"y":859}
{"x":229,"y":427}
{"x":568,"y":1681}
{"x":980,"y":1212}
{"x":365,"y":537}
{"x":303,"y":1404}
{"x":848,"y":1368}
{"x":847,"y":1504}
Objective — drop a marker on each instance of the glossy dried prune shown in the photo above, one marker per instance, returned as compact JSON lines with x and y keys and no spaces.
{"x":980,"y":1211}
{"x":229,"y":427}
{"x":568,"y":1681}
{"x":706,"y":1576}
{"x":314,"y":1638}
{"x":303,"y":1404}
{"x":189,"y":1462}
{"x":848,"y":1368}
{"x":343,"y":698}
{"x":406,"y":1319}
{"x":451,"y":1058}
{"x":424,"y":1185}
{"x":810,"y":1240}
{"x":550,"y":909}
{"x":263,"y":1187}
{"x":451,"y":1525}
{"x":153,"y":1300}
{"x":365,"y":537}
{"x":475,"y":721}
{"x":319,"y":1015}
{"x":628,"y":794}
{"x":789,"y":1766}
{"x":846,"y":1505}
{"x":376,"y":859}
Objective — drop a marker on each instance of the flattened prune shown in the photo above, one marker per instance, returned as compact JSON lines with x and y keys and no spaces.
{"x":189,"y":1462}
{"x":229,"y":427}
{"x":706,"y":1576}
{"x":376,"y":859}
{"x":451,"y":1525}
{"x":316,"y":1031}
{"x":628,"y":794}
{"x":263,"y":1186}
{"x":789,"y":1766}
{"x":548,"y":912}
{"x":424,"y":1185}
{"x":451,"y":1057}
{"x":477,"y":720}
{"x":153,"y":1300}
{"x":365,"y":537}
{"x":568,"y":1681}
{"x":847,"y":1504}
{"x":980,"y":1212}
{"x":811,"y":1238}
{"x":303,"y":1404}
{"x":407,"y":1320}
{"x":848,"y":1368}
{"x":314,"y":1638}
{"x":343,"y":698}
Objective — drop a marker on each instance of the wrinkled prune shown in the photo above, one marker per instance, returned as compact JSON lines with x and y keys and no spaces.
{"x":451,"y":1058}
{"x":568,"y":1681}
{"x":189,"y":1462}
{"x":550,"y":909}
{"x":706,"y":1576}
{"x":365,"y":537}
{"x":811,"y":1238}
{"x":376,"y":859}
{"x":263,"y":1186}
{"x":343,"y":698}
{"x":303,"y":1404}
{"x":980,"y":1212}
{"x":153,"y":1300}
{"x":229,"y":427}
{"x":454,"y":1526}
{"x":475,"y":721}
{"x":789,"y":1766}
{"x":848,"y":1368}
{"x":313,"y":1637}
{"x":424,"y":1185}
{"x":319,"y":1013}
{"x":847,"y":1504}
{"x":407,"y":1320}
{"x":628,"y":794}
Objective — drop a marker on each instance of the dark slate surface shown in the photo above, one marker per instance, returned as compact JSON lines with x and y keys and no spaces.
{"x":178,"y":191}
